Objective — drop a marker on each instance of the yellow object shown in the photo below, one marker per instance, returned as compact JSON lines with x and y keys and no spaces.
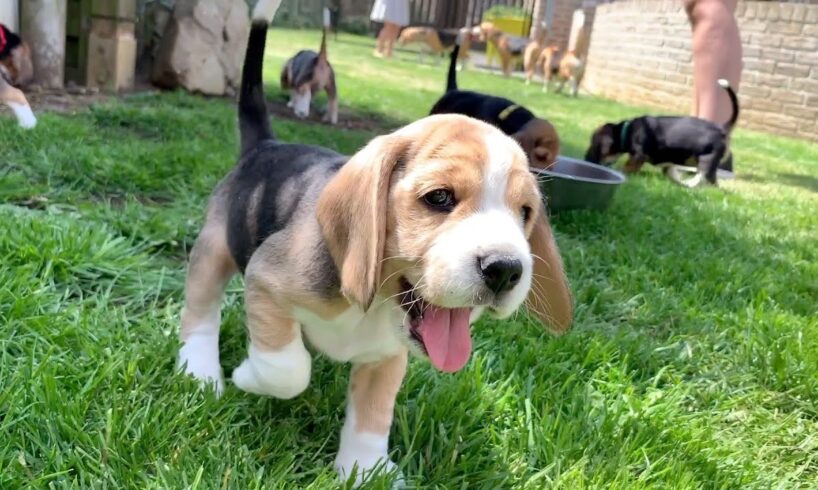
{"x":507,"y":112}
{"x":515,"y":26}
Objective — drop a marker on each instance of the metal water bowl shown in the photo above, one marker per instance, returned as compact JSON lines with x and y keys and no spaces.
{"x":577,"y":184}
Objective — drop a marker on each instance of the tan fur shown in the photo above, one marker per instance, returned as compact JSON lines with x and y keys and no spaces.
{"x":430,"y":38}
{"x":373,"y":388}
{"x":501,"y":42}
{"x":549,"y":61}
{"x":550,"y":299}
{"x":531,"y":56}
{"x":423,"y":35}
{"x":540,"y":141}
{"x":210,"y":268}
{"x":571,"y":69}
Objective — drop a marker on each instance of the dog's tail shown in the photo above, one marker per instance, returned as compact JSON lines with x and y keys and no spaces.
{"x":723,"y":83}
{"x":254,"y":122}
{"x":322,"y":53}
{"x":451,"y":81}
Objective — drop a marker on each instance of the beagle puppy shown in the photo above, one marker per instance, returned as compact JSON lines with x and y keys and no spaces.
{"x":430,"y":37}
{"x":507,"y":46}
{"x":550,"y":62}
{"x":532,"y":55}
{"x":306,"y":74}
{"x":397,"y":249}
{"x":16,"y":69}
{"x":538,"y":137}
{"x":571,"y":69}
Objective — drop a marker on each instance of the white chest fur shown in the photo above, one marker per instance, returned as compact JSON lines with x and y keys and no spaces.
{"x":355,"y":335}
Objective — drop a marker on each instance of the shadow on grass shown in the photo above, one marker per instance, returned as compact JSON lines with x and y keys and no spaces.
{"x":807,"y":182}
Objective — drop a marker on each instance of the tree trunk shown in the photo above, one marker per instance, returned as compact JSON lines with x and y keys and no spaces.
{"x":43,"y":27}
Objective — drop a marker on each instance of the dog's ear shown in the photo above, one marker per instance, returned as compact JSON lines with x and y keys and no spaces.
{"x":601,"y":144}
{"x":550,"y":298}
{"x":540,"y":142}
{"x":352,"y":213}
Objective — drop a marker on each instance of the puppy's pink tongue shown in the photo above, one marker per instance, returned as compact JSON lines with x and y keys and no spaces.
{"x":446,"y":336}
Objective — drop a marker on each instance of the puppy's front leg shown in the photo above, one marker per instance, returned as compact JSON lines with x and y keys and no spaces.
{"x":370,"y":404}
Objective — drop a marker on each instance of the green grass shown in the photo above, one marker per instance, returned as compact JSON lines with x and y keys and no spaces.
{"x":693,"y":362}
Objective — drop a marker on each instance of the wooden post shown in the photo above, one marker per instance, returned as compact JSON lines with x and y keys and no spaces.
{"x":10,"y":14}
{"x":42,"y":25}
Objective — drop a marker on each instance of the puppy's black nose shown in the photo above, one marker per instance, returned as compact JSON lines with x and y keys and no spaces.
{"x":500,"y":272}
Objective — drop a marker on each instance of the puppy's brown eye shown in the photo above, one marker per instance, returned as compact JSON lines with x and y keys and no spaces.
{"x":526,"y":213}
{"x":440,"y":200}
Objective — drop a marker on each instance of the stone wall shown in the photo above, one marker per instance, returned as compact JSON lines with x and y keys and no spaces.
{"x":640,"y":54}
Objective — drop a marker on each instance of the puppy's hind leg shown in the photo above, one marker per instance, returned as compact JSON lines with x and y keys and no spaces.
{"x":211,"y":267}
{"x":17,"y":102}
{"x":277,"y":363}
{"x":332,"y":101}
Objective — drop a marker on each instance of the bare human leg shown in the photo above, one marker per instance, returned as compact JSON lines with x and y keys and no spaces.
{"x":716,"y":54}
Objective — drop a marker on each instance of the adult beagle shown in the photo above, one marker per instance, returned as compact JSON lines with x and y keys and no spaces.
{"x":15,"y":69}
{"x":396,"y":249}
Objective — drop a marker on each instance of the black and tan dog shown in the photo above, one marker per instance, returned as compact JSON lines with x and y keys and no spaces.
{"x":397,"y":249}
{"x":668,"y":141}
{"x":306,"y":74}
{"x":538,"y":137}
{"x":15,"y":70}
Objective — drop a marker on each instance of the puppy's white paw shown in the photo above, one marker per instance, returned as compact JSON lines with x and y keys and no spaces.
{"x":25,"y":117}
{"x":365,"y":466}
{"x":199,"y":357}
{"x":331,"y":118}
{"x":281,"y":374}
{"x":363,"y":454}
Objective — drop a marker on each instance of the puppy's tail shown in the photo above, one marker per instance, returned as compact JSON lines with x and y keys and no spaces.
{"x":451,"y":81}
{"x":322,"y":53}
{"x":254,"y":122}
{"x":733,"y":100}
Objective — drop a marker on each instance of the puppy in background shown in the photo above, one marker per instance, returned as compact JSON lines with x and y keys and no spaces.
{"x":431,"y":39}
{"x":507,"y":46}
{"x":531,"y":56}
{"x":306,"y":74}
{"x":667,"y":141}
{"x":571,"y":69}
{"x":15,"y":70}
{"x":550,"y":62}
{"x":538,"y":137}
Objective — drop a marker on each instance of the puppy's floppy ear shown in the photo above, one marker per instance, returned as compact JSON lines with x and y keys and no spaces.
{"x":601,"y":144}
{"x":549,"y":299}
{"x":352,"y":214}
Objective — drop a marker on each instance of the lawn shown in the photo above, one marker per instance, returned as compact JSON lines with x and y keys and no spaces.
{"x":693,"y":362}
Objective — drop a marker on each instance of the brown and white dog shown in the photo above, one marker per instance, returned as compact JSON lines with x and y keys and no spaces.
{"x":571,"y":69}
{"x":508,"y":47}
{"x":550,"y":62}
{"x":15,"y":70}
{"x":396,"y":249}
{"x":532,"y":56}
{"x":306,"y":74}
{"x":430,"y":38}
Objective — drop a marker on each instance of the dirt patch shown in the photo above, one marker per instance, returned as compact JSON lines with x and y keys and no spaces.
{"x":347,"y":118}
{"x":65,"y":101}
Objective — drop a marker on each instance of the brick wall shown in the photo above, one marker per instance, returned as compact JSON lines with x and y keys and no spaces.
{"x":640,"y":54}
